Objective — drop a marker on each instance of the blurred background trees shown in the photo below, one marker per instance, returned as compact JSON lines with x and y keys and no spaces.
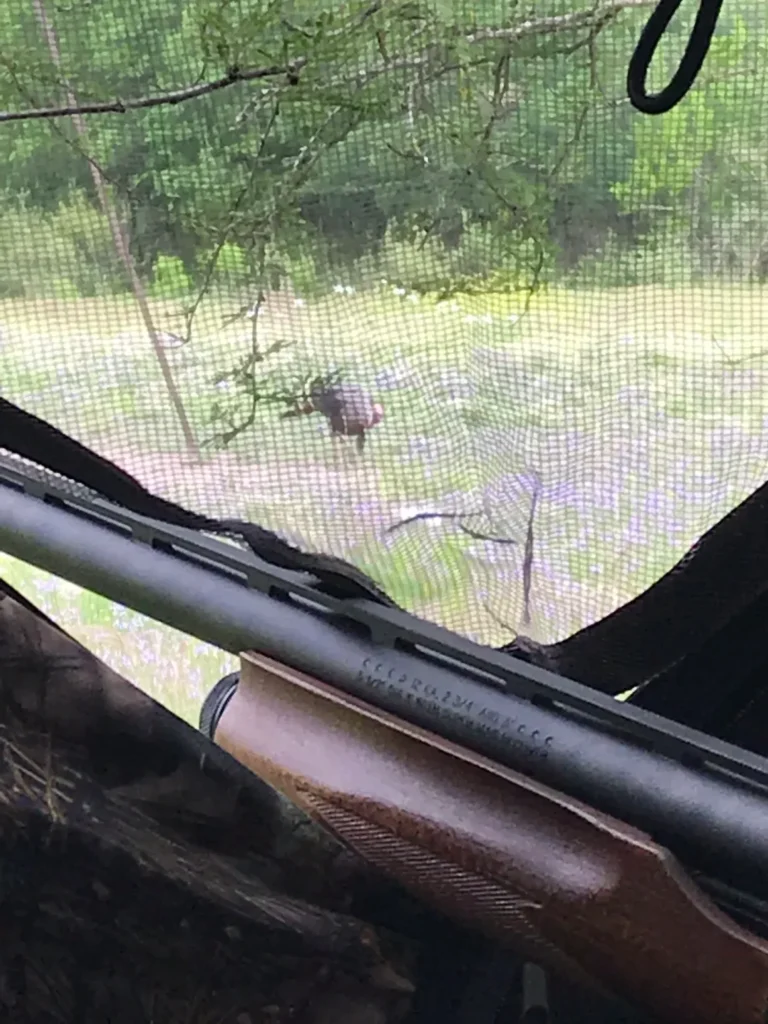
{"x":441,"y":146}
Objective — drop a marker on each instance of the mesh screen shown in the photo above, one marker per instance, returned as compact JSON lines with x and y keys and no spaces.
{"x":408,"y":281}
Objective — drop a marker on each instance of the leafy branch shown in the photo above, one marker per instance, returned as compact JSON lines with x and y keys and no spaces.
{"x":599,"y":15}
{"x":244,"y":376}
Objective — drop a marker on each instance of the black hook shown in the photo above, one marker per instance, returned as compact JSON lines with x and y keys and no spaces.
{"x":693,"y":58}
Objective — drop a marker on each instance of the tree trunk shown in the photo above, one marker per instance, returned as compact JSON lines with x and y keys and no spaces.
{"x":119,"y":239}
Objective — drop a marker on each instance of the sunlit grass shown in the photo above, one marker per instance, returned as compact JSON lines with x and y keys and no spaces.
{"x":643,"y":411}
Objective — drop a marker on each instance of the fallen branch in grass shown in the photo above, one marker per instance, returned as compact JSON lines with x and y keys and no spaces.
{"x":528,"y":552}
{"x":527,"y":568}
{"x":455,"y":517}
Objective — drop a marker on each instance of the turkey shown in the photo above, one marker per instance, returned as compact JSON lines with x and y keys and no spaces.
{"x":349,"y":409}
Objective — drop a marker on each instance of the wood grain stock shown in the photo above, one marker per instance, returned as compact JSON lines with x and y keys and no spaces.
{"x":559,"y":882}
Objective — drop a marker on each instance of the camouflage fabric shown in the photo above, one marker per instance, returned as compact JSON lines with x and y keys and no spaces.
{"x":142,"y":877}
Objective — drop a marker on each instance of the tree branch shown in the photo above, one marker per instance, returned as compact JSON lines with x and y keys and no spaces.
{"x":191,"y":92}
{"x":558,"y":22}
{"x":600,"y":14}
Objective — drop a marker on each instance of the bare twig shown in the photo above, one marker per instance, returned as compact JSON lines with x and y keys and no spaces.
{"x":477,"y":535}
{"x":420,"y":516}
{"x":300,"y":169}
{"x":246,"y":373}
{"x":191,"y":311}
{"x":165,"y":99}
{"x":527,"y":567}
{"x":498,"y":620}
{"x":528,"y":554}
{"x":500,"y":90}
{"x":456,"y":517}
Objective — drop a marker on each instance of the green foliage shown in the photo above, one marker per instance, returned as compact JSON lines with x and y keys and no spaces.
{"x":66,"y":254}
{"x":231,"y":263}
{"x":408,"y":143}
{"x":307,"y":275}
{"x":64,"y":288}
{"x":170,"y":279}
{"x":670,"y":151}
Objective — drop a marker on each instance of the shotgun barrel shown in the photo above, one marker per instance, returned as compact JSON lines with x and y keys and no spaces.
{"x":705,"y":800}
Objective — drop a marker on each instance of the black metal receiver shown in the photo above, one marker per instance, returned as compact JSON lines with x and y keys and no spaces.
{"x":704,"y":799}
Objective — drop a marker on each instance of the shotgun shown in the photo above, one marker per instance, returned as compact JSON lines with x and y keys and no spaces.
{"x":621,"y":848}
{"x":551,"y":877}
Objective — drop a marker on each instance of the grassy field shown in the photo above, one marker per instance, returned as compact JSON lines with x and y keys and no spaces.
{"x":643,"y":414}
